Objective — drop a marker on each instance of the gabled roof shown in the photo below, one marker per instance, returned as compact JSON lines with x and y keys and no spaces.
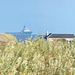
{"x":51,"y":35}
{"x":47,"y":36}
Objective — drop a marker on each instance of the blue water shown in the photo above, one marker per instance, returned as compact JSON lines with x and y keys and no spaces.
{"x":22,"y":37}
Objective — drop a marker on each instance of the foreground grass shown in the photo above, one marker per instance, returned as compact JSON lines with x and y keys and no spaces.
{"x":38,"y":57}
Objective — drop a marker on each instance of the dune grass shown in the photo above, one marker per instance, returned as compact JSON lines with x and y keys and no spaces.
{"x":10,"y":37}
{"x":5,"y":38}
{"x":38,"y":57}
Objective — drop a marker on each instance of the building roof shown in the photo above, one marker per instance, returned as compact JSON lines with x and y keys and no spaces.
{"x":51,"y":35}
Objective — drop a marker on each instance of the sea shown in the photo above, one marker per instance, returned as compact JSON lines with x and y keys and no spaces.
{"x":23,"y":37}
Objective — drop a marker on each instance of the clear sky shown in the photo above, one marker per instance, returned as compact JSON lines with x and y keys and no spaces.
{"x":56,"y":16}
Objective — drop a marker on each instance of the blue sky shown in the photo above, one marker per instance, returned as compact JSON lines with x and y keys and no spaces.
{"x":56,"y":16}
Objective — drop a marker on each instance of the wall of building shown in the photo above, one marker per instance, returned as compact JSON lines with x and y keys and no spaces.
{"x":52,"y":39}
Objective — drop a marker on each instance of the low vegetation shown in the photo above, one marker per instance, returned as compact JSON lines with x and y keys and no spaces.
{"x":38,"y":57}
{"x":4,"y":39}
{"x":10,"y":37}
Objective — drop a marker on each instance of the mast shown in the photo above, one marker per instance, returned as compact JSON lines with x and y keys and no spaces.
{"x":24,"y":27}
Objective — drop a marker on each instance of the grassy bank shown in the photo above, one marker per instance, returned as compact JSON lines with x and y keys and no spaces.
{"x":38,"y":57}
{"x":5,"y":38}
{"x":10,"y":37}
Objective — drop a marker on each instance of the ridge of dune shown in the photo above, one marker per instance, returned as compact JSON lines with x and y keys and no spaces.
{"x":3,"y":38}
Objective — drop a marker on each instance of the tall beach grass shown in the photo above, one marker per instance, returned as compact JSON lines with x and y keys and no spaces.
{"x":38,"y":57}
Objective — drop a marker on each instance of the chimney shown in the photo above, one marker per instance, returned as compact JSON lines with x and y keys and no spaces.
{"x":47,"y":33}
